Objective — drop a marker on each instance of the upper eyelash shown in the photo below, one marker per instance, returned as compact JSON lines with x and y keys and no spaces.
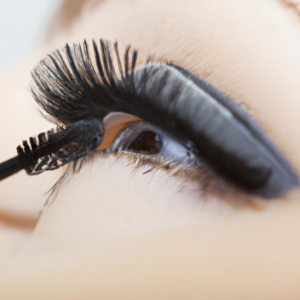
{"x":69,"y":92}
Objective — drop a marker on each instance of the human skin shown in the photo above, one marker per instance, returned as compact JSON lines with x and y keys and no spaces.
{"x":112,"y":233}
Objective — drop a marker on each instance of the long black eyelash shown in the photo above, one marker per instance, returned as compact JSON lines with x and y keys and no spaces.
{"x":74,"y":90}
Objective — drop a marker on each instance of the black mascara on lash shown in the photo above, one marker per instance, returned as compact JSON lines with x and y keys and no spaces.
{"x":173,"y":98}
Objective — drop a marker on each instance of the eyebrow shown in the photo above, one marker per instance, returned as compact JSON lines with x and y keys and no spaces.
{"x":169,"y":96}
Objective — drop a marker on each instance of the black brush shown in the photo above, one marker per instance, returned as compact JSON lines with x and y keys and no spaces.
{"x":55,"y":148}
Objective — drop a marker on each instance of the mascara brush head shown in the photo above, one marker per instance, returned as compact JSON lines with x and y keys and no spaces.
{"x":55,"y":148}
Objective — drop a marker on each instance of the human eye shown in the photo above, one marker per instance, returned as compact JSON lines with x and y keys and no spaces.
{"x":146,"y":144}
{"x":145,"y":138}
{"x":182,"y":120}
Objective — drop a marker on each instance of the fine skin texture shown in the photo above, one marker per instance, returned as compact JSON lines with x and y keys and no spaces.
{"x":114,"y":233}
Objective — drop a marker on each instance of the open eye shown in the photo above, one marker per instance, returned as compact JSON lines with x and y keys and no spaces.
{"x":147,"y":141}
{"x":145,"y":138}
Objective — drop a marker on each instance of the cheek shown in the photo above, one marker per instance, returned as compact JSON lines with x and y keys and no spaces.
{"x":109,"y":195}
{"x":112,"y":223}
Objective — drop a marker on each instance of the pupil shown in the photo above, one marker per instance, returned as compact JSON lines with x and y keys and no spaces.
{"x":146,"y":142}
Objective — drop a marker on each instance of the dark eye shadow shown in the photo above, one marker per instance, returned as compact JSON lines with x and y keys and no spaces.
{"x":228,"y":139}
{"x":173,"y":98}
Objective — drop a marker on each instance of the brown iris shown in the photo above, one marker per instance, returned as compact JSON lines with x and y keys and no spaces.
{"x":146,"y":142}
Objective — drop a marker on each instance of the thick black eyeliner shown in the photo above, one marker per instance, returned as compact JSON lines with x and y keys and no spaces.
{"x":291,"y":178}
{"x":239,"y":113}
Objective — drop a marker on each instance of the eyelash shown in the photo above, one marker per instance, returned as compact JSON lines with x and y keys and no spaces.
{"x":185,"y":173}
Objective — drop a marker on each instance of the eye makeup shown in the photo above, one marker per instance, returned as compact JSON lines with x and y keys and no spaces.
{"x":225,"y":136}
{"x":216,"y":128}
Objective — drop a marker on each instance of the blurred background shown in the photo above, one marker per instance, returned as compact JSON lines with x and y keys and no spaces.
{"x":23,"y":24}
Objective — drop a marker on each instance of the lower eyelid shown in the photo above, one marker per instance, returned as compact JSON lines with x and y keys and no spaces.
{"x":175,"y":169}
{"x":205,"y":181}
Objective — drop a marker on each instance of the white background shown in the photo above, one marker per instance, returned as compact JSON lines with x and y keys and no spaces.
{"x":23,"y":24}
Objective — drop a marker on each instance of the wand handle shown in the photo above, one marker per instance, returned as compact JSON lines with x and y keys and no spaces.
{"x":10,"y":167}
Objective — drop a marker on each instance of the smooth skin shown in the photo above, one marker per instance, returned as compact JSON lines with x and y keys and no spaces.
{"x":114,"y":233}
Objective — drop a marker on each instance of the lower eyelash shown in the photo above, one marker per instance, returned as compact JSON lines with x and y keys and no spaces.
{"x":206,"y":180}
{"x":184,"y":172}
{"x":191,"y":172}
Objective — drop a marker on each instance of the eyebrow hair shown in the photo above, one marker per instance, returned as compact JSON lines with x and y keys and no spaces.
{"x":173,"y":98}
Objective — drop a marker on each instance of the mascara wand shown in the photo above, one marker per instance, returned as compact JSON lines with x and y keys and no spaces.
{"x":55,"y":148}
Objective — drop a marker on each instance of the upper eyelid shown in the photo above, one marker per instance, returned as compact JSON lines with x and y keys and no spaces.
{"x":238,"y":112}
{"x":250,"y":147}
{"x":139,"y":92}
